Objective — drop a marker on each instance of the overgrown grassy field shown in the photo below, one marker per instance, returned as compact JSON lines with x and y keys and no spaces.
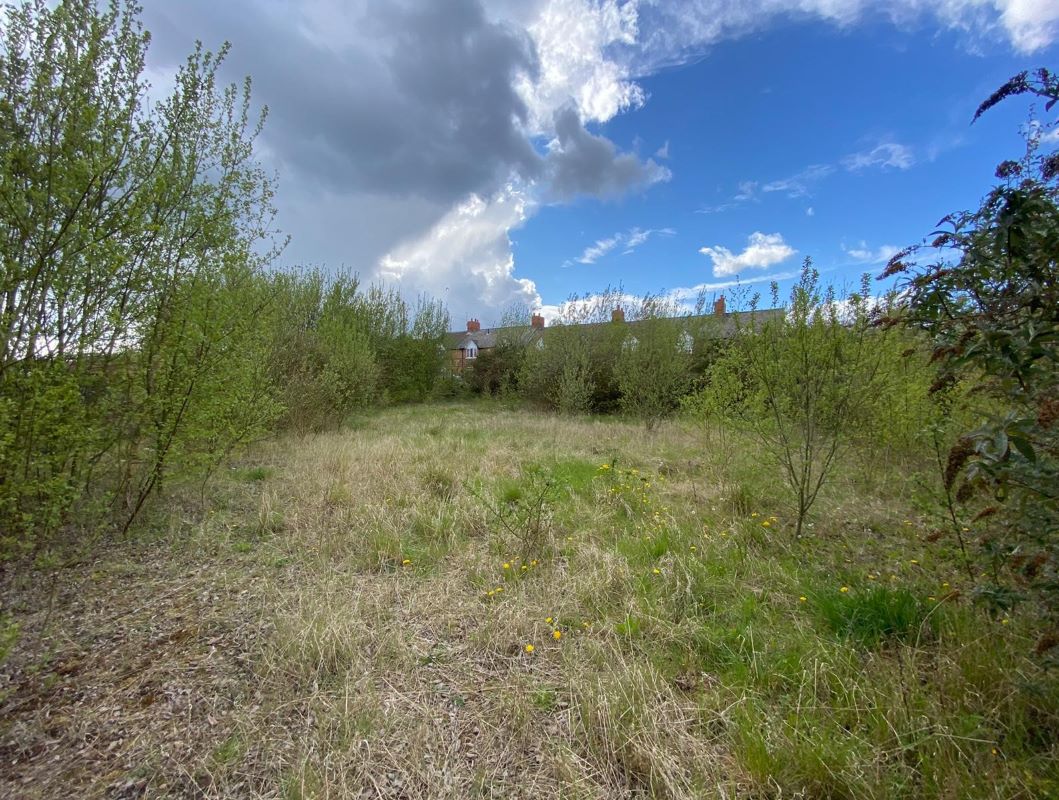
{"x":470,"y":601}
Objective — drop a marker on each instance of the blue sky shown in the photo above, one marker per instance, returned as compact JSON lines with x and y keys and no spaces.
{"x":845,"y":143}
{"x":491,"y":152}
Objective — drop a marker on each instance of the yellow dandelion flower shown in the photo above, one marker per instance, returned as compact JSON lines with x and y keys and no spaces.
{"x":871,"y":577}
{"x":406,"y":562}
{"x":945,"y":585}
{"x":507,"y":565}
{"x":585,"y":624}
{"x":548,"y":620}
{"x":490,"y":593}
{"x":530,"y":648}
{"x":765,"y":524}
{"x":802,"y":599}
{"x":931,"y":597}
{"x":524,"y":568}
{"x":914,"y":561}
{"x":656,"y":571}
{"x":755,"y":515}
{"x":1005,"y":621}
{"x":498,"y":589}
{"x":557,"y":635}
{"x":694,"y":548}
{"x":534,"y":563}
{"x":844,"y":589}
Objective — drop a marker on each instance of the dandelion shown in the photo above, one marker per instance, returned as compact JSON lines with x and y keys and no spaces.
{"x":694,"y":548}
{"x":507,"y":565}
{"x":530,"y":648}
{"x":913,"y":561}
{"x":893,"y":577}
{"x":931,"y":597}
{"x":945,"y":585}
{"x":534,"y":563}
{"x":585,"y":624}
{"x":765,"y":524}
{"x":1005,"y":621}
{"x":490,"y":593}
{"x":871,"y":577}
{"x":844,"y":589}
{"x":802,"y":599}
{"x":755,"y":515}
{"x":557,"y":635}
{"x":498,"y":589}
{"x":524,"y":568}
{"x":656,"y":571}
{"x":406,"y":562}
{"x":548,"y":620}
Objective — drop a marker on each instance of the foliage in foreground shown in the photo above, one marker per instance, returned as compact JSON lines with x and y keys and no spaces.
{"x":989,"y":306}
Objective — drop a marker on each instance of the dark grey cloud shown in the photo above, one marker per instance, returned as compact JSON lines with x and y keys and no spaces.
{"x":583,"y":163}
{"x":418,"y":99}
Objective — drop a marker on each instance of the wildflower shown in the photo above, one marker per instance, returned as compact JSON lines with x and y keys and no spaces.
{"x":694,"y":548}
{"x":557,"y":635}
{"x":498,"y":589}
{"x":548,"y":620}
{"x":530,"y":648}
{"x":533,"y":563}
{"x":844,"y":589}
{"x":604,"y":467}
{"x":524,"y":568}
{"x":1005,"y":621}
{"x":893,"y":577}
{"x":765,"y":524}
{"x":406,"y":562}
{"x":656,"y":571}
{"x":871,"y":577}
{"x":945,"y":585}
{"x":490,"y":593}
{"x":755,"y":515}
{"x":913,"y":561}
{"x":585,"y":624}
{"x":802,"y":599}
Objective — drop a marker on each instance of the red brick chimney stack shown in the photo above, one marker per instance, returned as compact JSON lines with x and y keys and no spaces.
{"x":537,"y":321}
{"x":617,"y":315}
{"x":718,"y":306}
{"x":473,"y":326}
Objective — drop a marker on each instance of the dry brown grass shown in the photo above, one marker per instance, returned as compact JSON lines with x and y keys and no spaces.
{"x":279,"y":645}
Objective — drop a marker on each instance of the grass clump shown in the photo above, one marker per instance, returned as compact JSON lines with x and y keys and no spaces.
{"x":877,"y":614}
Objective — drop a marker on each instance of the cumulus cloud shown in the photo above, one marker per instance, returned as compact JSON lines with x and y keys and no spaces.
{"x":392,"y":119}
{"x":466,"y":258}
{"x":583,"y":163}
{"x":762,"y":250}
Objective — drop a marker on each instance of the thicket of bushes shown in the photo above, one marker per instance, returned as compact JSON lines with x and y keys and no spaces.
{"x":142,"y":336}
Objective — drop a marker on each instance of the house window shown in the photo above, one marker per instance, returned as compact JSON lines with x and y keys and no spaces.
{"x":472,"y":350}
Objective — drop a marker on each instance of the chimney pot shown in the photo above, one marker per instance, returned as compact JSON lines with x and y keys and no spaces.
{"x":473,"y":325}
{"x":537,"y":321}
{"x":617,"y":315}
{"x":718,"y":306}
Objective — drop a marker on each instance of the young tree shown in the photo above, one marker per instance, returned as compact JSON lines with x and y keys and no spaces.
{"x":131,"y":239}
{"x":654,"y":370}
{"x":808,"y":371}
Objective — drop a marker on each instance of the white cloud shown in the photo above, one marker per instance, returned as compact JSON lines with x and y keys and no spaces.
{"x":465,"y":258}
{"x":1031,"y":24}
{"x":800,"y":184}
{"x":762,"y":250}
{"x":629,"y":240}
{"x":866,"y":255}
{"x":595,"y":251}
{"x":663,"y":151}
{"x":883,"y":156}
{"x":809,"y":212}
